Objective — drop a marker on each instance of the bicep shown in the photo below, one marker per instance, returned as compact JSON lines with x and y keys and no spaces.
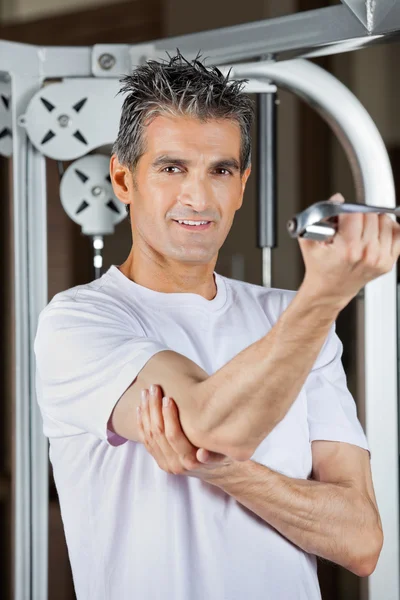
{"x":343,"y":464}
{"x":178,"y":377}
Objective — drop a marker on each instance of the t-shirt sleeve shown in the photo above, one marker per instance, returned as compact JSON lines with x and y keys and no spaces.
{"x":87,"y":356}
{"x":332,"y":413}
{"x":331,"y":409}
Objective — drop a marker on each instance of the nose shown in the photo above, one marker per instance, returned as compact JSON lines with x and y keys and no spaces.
{"x":195,"y":193}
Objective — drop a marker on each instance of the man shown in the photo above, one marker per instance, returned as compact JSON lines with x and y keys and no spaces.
{"x":258,"y":464}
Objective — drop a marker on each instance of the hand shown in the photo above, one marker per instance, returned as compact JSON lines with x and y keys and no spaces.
{"x":161,"y":432}
{"x":364,"y":247}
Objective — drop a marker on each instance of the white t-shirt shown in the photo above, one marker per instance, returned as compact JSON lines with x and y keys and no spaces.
{"x":135,"y":532}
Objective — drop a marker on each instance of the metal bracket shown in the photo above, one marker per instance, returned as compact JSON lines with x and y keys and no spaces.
{"x":370,"y":12}
{"x":115,"y":60}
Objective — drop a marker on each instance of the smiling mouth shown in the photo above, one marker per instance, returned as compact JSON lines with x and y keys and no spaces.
{"x":191,"y":225}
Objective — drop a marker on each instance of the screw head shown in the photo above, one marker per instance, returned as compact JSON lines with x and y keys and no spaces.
{"x":97,"y":190}
{"x":64,"y":120}
{"x":106,"y":61}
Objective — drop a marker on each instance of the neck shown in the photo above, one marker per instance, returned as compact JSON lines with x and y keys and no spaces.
{"x":162,"y":275}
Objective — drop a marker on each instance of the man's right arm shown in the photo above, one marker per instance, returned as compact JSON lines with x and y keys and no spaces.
{"x":234,"y":409}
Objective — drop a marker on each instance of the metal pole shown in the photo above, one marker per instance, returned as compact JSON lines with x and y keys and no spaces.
{"x":38,"y":297}
{"x":30,"y":296}
{"x":267,"y":197}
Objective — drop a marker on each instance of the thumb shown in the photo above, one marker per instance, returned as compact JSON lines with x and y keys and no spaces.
{"x":208,"y":457}
{"x":337,"y":198}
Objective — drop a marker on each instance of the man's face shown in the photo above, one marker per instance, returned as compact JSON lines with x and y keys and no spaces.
{"x":190,"y":171}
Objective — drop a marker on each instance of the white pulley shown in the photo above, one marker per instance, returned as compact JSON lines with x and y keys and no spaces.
{"x":88,"y":198}
{"x":69,"y":119}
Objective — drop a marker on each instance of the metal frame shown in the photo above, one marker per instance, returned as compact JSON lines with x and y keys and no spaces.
{"x":370,"y":13}
{"x":30,"y":293}
{"x":306,"y":34}
{"x":374,"y":185}
{"x":315,"y":33}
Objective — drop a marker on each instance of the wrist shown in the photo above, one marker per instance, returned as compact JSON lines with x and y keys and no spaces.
{"x":231,"y":476}
{"x":326,"y":305}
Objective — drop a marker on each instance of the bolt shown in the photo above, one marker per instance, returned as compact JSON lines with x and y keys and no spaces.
{"x":291,"y":225}
{"x":106,"y":61}
{"x":97,"y":190}
{"x":64,"y":120}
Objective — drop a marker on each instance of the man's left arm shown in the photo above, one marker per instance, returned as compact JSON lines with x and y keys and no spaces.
{"x":333,"y":516}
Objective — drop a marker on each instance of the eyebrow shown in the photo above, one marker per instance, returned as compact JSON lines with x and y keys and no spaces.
{"x":224,"y":163}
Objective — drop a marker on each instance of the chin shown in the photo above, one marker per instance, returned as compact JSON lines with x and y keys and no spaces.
{"x":193,"y":256}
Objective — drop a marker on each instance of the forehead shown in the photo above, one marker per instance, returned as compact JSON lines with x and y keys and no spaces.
{"x":167,"y":134}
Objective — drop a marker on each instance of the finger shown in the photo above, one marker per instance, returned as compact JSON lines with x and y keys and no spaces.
{"x":153,"y":449}
{"x":385,"y":234}
{"x":155,"y":411}
{"x":306,"y":244}
{"x":370,"y":234}
{"x":337,"y":198}
{"x":160,"y":444}
{"x":208,"y":457}
{"x":144,"y":410}
{"x":167,"y":457}
{"x":143,"y":435}
{"x":140,"y":424}
{"x":174,"y":432}
{"x":350,"y":228}
{"x":395,"y":241}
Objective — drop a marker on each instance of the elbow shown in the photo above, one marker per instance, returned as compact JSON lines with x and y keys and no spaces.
{"x":216,"y":433}
{"x":220,"y":441}
{"x":364,"y":564}
{"x":235,"y":452}
{"x":239,"y":453}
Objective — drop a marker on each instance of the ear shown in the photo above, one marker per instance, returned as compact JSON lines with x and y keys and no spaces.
{"x":244,"y":178}
{"x":121,"y":180}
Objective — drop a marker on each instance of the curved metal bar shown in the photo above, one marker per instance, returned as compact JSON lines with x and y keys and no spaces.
{"x":377,"y":311}
{"x":345,"y":114}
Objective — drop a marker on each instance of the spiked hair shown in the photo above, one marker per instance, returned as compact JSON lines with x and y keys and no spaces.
{"x":179,"y":87}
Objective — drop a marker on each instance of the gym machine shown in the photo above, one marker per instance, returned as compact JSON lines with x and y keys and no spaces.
{"x":61,"y":103}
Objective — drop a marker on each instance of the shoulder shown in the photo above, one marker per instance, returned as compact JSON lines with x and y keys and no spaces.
{"x":94,"y":304}
{"x":273,"y":301}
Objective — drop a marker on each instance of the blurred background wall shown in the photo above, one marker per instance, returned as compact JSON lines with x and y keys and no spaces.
{"x":311,"y":167}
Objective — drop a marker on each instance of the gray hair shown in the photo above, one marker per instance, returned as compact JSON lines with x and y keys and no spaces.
{"x":179,"y":87}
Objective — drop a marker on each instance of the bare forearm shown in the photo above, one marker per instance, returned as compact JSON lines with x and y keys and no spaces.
{"x":247,"y":397}
{"x":328,"y":520}
{"x":234,"y":409}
